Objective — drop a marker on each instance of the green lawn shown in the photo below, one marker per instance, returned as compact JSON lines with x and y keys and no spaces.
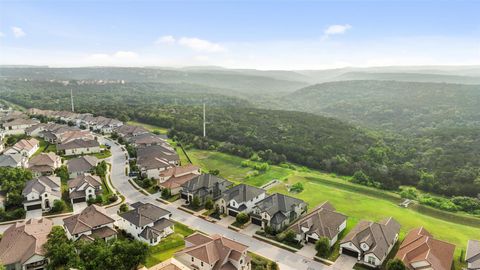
{"x":44,"y":147}
{"x":356,"y":201}
{"x":151,"y":128}
{"x":168,"y":246}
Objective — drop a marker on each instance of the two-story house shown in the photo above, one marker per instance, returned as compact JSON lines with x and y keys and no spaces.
{"x":174,"y":177}
{"x":420,"y":250}
{"x":371,"y":242}
{"x":240,"y":198}
{"x":323,"y":221}
{"x":22,"y":245}
{"x":41,"y":193}
{"x":44,"y":163}
{"x":84,"y":187}
{"x":277,"y":211}
{"x":153,"y":160}
{"x":81,"y":165}
{"x":25,"y":147}
{"x":213,"y":252}
{"x":92,"y":223}
{"x":146,"y":222}
{"x":204,"y":186}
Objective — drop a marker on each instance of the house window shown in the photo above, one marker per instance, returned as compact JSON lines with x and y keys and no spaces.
{"x":192,"y":259}
{"x":371,"y":260}
{"x":201,"y":263}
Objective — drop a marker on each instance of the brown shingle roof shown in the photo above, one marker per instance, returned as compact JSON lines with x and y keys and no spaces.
{"x":47,"y":159}
{"x":419,"y":245}
{"x":82,"y":164}
{"x":324,"y":221}
{"x":215,"y":249}
{"x":90,"y":217}
{"x":78,"y":143}
{"x":22,"y":240}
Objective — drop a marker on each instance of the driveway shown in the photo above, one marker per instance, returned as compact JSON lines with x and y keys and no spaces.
{"x":308,"y":251}
{"x":78,"y":207}
{"x":37,"y":213}
{"x":226,"y":221}
{"x":287,"y":260}
{"x":344,"y":262}
{"x":251,"y":229}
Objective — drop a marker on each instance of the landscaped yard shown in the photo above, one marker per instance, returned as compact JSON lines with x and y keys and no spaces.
{"x":168,"y":246}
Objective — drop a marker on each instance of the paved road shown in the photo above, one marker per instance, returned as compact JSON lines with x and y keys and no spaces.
{"x":287,"y":260}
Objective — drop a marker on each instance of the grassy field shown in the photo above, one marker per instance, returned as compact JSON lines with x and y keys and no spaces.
{"x":151,"y":128}
{"x":168,"y":246}
{"x":356,"y":201}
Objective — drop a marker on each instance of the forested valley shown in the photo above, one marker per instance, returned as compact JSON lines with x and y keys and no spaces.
{"x":379,"y":136}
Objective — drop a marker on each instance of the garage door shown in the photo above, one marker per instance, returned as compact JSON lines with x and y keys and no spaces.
{"x":349,"y":252}
{"x":312,"y":240}
{"x":77,"y":200}
{"x":34,"y":207}
{"x":184,"y":196}
{"x":257,"y":221}
{"x":232,"y":213}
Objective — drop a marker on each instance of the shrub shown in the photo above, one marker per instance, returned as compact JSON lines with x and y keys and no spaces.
{"x":242,"y":218}
{"x":166,"y":193}
{"x":196,"y":202}
{"x":58,"y":206}
{"x":409,"y":193}
{"x":395,"y":264}
{"x":297,"y":187}
{"x":112,"y":198}
{"x":123,"y":208}
{"x":322,"y":246}
{"x":209,"y":204}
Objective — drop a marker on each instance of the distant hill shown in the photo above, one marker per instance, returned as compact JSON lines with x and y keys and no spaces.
{"x":391,"y":105}
{"x":246,"y":83}
{"x":408,"y":77}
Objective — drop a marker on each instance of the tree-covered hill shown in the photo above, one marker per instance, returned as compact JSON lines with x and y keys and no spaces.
{"x":409,"y":107}
{"x":229,"y":80}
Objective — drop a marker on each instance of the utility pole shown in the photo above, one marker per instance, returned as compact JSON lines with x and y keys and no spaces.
{"x":204,"y":123}
{"x":71,"y":99}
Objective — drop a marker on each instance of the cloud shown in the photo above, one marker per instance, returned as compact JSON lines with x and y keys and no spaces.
{"x":125,"y":55}
{"x":200,"y":45}
{"x":2,"y":34}
{"x":337,"y":29}
{"x":165,"y":40}
{"x":18,"y":32}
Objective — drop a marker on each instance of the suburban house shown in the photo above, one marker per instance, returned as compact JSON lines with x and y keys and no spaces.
{"x":128,"y":131}
{"x":44,"y":163}
{"x":35,"y":130}
{"x":81,"y":165}
{"x":84,"y":187}
{"x":472,"y":257}
{"x":25,"y":147}
{"x":419,"y":250}
{"x":148,"y":139}
{"x":240,"y":198}
{"x":79,"y":147}
{"x":146,"y":222}
{"x":213,"y":252}
{"x":40,"y":193}
{"x":173,"y":178}
{"x":323,"y":221}
{"x":22,"y":245}
{"x":277,"y":211}
{"x":101,"y":124}
{"x":204,"y":186}
{"x":154,"y":159}
{"x":13,"y":160}
{"x":18,"y":125}
{"x":73,"y":134}
{"x":370,"y":242}
{"x":90,"y":224}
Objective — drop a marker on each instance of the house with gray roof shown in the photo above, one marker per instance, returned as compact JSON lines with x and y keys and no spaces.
{"x":90,"y":224}
{"x":13,"y":160}
{"x":44,"y":163}
{"x":154,"y":159}
{"x":81,"y":165}
{"x":18,"y":125}
{"x":277,"y":211}
{"x":128,"y":131}
{"x":240,"y":198}
{"x":371,"y":242}
{"x":84,"y":187}
{"x":204,"y":186}
{"x":146,"y":222}
{"x":148,"y":139}
{"x":41,"y":193}
{"x":472,"y":256}
{"x":79,"y":147}
{"x":323,"y":221}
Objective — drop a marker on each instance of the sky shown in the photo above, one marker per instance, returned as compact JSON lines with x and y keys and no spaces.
{"x":239,"y":34}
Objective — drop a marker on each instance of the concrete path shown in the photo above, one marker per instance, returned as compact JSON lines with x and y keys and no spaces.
{"x":344,"y":262}
{"x":78,"y":207}
{"x":37,"y":213}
